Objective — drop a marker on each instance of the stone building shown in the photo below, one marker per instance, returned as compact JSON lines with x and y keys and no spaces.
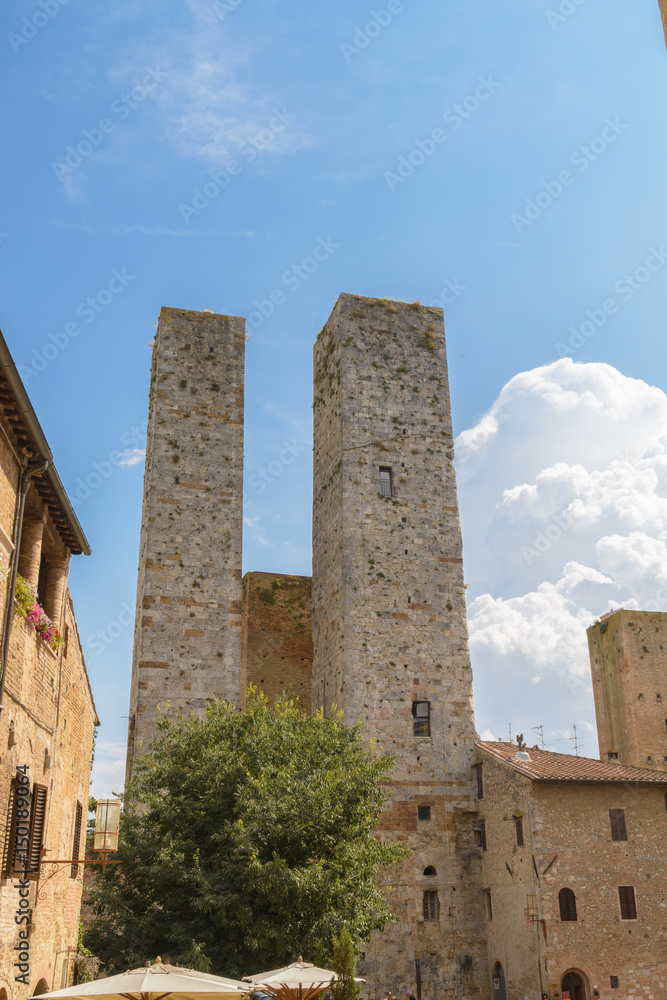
{"x":628,"y":651}
{"x":390,"y":642}
{"x":663,"y":11}
{"x":501,"y":846}
{"x":575,"y":884}
{"x":47,"y":714}
{"x":187,"y":637}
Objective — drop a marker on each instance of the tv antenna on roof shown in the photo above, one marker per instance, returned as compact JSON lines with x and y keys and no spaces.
{"x":540,"y":732}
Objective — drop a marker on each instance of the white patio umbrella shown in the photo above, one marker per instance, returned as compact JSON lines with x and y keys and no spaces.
{"x":153,"y":982}
{"x":298,"y":981}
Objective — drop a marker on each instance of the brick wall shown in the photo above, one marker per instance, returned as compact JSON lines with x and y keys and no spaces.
{"x":187,"y":643}
{"x":628,"y":652}
{"x":568,"y":844}
{"x":276,"y":642}
{"x":389,"y":619}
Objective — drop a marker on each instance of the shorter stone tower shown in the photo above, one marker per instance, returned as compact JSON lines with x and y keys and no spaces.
{"x":628,"y":651}
{"x":187,"y":639}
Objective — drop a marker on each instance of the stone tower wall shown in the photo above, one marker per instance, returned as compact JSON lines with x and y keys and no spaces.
{"x":389,"y":620}
{"x":187,"y":642}
{"x":276,"y":643}
{"x":628,"y":651}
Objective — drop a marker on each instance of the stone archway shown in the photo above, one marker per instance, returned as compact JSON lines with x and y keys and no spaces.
{"x":42,"y":987}
{"x":573,"y":986}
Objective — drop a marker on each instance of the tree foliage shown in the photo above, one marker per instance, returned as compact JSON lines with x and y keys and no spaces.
{"x":246,"y":839}
{"x":344,"y":988}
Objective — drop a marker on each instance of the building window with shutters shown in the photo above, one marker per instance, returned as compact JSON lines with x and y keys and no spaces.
{"x":76,"y":840}
{"x":518,"y":823}
{"x":385,"y":481}
{"x":626,"y":896}
{"x":567,"y":902}
{"x":430,"y":904}
{"x":421,"y":718}
{"x":37,"y":824}
{"x":480,"y":782}
{"x":617,"y":821}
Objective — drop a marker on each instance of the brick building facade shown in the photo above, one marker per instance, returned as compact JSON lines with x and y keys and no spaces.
{"x":276,"y":641}
{"x":575,"y":883}
{"x":47,"y":714}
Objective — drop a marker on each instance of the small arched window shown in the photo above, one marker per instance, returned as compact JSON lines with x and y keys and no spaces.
{"x":568,"y":904}
{"x":430,"y":870}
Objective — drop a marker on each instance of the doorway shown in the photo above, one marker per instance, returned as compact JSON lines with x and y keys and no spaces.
{"x":572,"y":987}
{"x":499,"y":992}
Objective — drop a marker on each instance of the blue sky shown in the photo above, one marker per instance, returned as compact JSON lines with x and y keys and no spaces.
{"x":117,"y":114}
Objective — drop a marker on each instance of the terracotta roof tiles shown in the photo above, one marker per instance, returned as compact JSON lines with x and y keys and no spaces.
{"x":544,"y":765}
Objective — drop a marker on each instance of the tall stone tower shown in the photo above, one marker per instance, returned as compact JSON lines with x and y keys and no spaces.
{"x":187,"y":639}
{"x":628,"y":651}
{"x":389,"y":622}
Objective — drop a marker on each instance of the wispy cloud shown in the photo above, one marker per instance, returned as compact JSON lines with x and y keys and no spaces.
{"x":132,"y":456}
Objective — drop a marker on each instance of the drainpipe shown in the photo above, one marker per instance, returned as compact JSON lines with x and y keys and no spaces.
{"x":24,"y":485}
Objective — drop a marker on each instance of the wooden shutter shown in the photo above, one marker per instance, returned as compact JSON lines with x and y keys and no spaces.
{"x":568,"y":904}
{"x":626,"y":895}
{"x":617,"y":820}
{"x":9,"y":845}
{"x":480,"y":782}
{"x":519,"y":833}
{"x":76,"y":843}
{"x":37,"y":823}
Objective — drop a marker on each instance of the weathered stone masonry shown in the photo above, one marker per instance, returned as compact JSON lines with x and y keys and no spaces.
{"x":187,"y":645}
{"x":276,"y":642}
{"x":389,"y":619}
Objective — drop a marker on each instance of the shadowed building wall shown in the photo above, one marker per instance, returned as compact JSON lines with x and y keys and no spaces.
{"x":389,"y":622}
{"x":187,"y":640}
{"x":276,"y":642}
{"x":628,"y":651}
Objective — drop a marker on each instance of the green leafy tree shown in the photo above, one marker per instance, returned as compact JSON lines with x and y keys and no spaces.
{"x":246,"y":839}
{"x":344,"y":988}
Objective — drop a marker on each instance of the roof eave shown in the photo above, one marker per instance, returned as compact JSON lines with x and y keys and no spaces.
{"x":10,"y":372}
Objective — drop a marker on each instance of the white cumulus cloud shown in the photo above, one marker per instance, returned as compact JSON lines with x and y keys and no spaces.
{"x":563,"y":493}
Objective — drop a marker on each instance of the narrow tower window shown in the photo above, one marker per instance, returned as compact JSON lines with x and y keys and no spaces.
{"x":626,"y":896}
{"x":617,"y":820}
{"x":430,"y":905}
{"x":519,"y":833}
{"x":385,"y":481}
{"x":568,"y":904}
{"x":421,"y":718}
{"x":480,"y":782}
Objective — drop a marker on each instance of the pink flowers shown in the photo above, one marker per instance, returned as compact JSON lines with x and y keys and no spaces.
{"x":26,"y":606}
